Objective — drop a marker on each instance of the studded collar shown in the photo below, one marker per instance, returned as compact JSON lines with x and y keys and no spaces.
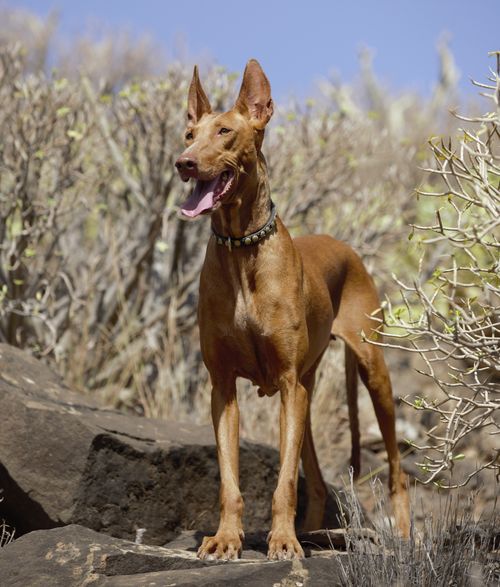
{"x":249,"y":239}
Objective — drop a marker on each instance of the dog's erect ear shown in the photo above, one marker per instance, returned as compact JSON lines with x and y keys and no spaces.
{"x":198,"y":103}
{"x":254,"y":99}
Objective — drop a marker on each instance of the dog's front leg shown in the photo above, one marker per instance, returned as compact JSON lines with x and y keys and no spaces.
{"x":226,"y":544}
{"x":283,"y":543}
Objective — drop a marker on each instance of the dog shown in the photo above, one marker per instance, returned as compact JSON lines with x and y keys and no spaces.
{"x":268,"y":307}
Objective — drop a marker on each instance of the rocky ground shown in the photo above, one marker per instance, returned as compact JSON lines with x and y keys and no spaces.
{"x":99,"y":497}
{"x":77,"y":478}
{"x":74,"y":555}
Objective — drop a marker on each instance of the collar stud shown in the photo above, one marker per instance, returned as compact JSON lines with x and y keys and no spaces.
{"x":249,"y":239}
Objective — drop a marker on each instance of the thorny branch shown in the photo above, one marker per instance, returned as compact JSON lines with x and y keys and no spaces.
{"x":453,"y":319}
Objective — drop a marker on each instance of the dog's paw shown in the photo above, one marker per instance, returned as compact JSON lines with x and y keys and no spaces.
{"x":283,"y":546}
{"x":225,"y":545}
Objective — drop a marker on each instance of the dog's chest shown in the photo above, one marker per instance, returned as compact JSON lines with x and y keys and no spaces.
{"x":251,"y":343}
{"x":241,"y":321}
{"x":249,"y":318}
{"x":244,"y":317}
{"x":238,"y":330}
{"x":243,"y":303}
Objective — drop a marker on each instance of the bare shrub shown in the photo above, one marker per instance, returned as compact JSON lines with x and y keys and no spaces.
{"x":99,"y":276}
{"x":97,"y":272}
{"x":450,"y":313}
{"x":32,"y":34}
{"x":112,"y":57}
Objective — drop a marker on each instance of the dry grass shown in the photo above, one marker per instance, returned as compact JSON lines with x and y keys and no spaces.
{"x":454,"y":547}
{"x":6,"y":532}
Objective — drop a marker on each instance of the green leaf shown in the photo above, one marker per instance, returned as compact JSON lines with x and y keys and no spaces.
{"x":14,"y":225}
{"x":60,"y":84}
{"x":74,"y":134}
{"x":62,"y":111}
{"x":161,"y":246}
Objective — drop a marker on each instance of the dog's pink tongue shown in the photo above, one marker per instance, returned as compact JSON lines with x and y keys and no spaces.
{"x":201,"y":199}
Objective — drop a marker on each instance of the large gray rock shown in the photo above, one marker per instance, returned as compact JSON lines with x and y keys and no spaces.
{"x":75,"y":556}
{"x":65,"y":460}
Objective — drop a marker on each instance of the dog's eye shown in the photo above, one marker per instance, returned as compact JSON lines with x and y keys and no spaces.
{"x":188,"y":136}
{"x":224,"y":131}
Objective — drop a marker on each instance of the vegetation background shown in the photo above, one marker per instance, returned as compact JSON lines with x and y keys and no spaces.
{"x":99,"y":275}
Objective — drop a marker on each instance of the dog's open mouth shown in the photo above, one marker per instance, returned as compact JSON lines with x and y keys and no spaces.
{"x":207,"y":194}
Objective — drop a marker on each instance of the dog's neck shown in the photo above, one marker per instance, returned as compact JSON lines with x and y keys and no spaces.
{"x":250,"y":206}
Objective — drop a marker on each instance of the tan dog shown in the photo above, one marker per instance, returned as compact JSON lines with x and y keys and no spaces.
{"x":268,"y":308}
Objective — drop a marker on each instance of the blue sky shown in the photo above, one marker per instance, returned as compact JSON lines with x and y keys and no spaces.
{"x":300,"y":42}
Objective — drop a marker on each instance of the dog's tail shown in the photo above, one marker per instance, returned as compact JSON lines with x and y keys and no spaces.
{"x":351,"y":376}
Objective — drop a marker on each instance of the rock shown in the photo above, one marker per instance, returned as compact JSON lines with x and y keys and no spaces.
{"x":66,"y":460}
{"x":255,"y":544}
{"x":76,"y":556}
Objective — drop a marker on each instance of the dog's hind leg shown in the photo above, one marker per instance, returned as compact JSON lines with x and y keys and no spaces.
{"x":316,"y":487}
{"x":375,"y":376}
{"x":351,"y":377}
{"x":356,"y":307}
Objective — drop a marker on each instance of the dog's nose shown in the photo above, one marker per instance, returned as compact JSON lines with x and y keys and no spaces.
{"x":186,"y":164}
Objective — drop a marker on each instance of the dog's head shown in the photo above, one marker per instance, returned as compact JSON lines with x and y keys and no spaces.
{"x":222,"y":147}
